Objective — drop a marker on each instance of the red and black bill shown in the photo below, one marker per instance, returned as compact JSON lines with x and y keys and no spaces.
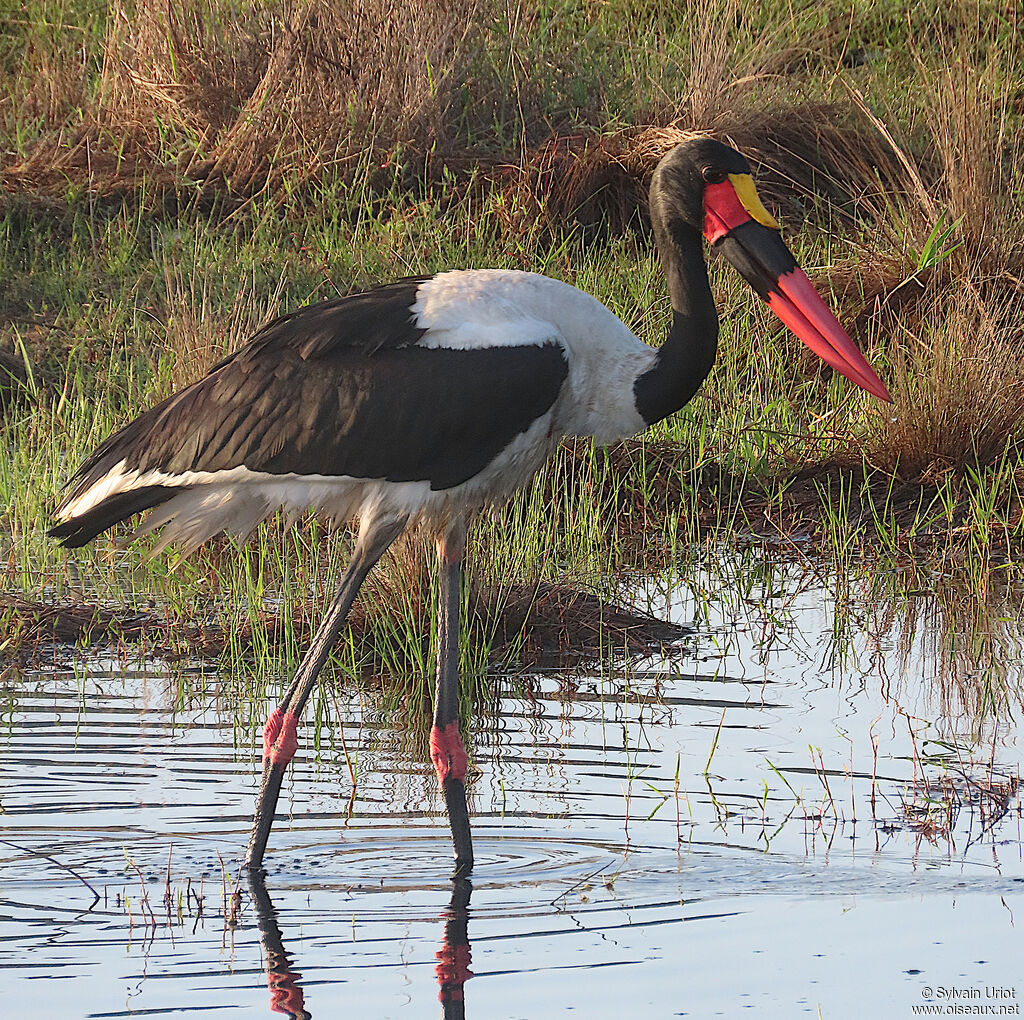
{"x":738,"y":225}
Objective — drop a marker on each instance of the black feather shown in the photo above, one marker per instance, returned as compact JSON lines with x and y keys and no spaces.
{"x":342,"y":388}
{"x":85,"y":527}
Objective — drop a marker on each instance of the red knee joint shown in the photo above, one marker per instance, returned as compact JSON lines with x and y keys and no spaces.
{"x":271,"y":730}
{"x":451,"y":549}
{"x":285,"y":994}
{"x":448,"y":753}
{"x":280,"y":739}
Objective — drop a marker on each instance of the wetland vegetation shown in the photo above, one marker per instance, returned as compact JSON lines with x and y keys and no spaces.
{"x":173,"y":176}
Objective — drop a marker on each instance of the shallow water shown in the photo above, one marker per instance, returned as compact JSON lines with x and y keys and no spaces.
{"x":845,"y":834}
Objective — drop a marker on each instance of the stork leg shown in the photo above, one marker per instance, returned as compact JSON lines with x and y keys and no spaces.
{"x":279,"y":734}
{"x":446,"y":748}
{"x":454,"y":956}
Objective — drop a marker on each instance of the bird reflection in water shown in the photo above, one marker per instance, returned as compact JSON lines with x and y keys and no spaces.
{"x":286,"y":995}
{"x":453,"y":958}
{"x":285,"y":991}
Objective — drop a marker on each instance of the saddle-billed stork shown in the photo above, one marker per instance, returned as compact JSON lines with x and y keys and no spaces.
{"x":420,"y":401}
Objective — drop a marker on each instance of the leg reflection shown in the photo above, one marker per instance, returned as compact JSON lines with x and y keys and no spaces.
{"x":453,"y":958}
{"x":285,"y":991}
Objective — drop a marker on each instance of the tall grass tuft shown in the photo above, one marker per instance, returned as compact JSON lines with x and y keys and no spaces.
{"x":957,"y":380}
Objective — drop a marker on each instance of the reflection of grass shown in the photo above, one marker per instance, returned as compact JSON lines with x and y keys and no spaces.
{"x":957,"y":625}
{"x":946,"y":616}
{"x":943,"y":655}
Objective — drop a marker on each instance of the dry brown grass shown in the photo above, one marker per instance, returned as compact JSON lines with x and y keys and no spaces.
{"x":933,"y":808}
{"x":197,"y":331}
{"x":184,"y":69}
{"x":942,"y":283}
{"x":240,"y":98}
{"x":219,"y":100}
{"x":957,"y":380}
{"x":339,"y":77}
{"x":49,"y":82}
{"x":822,"y":161}
{"x":966,"y":110}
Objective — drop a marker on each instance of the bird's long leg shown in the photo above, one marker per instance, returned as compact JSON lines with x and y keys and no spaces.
{"x":446,"y":748}
{"x":279,"y":734}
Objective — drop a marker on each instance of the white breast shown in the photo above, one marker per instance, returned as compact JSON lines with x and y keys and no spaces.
{"x":494,"y":308}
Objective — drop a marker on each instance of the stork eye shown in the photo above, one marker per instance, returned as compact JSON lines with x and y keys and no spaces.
{"x":712,"y":175}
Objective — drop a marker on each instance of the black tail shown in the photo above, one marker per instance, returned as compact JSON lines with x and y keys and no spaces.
{"x":85,"y":527}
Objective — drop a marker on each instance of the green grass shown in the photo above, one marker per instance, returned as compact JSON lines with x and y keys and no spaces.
{"x":119,"y":295}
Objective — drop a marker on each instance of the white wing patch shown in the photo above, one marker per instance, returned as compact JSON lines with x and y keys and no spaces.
{"x":482,"y":308}
{"x":114,"y":481}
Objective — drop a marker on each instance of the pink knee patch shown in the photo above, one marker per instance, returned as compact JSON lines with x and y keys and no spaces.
{"x":280,"y":738}
{"x":285,"y":994}
{"x":271,"y":730}
{"x":448,"y":753}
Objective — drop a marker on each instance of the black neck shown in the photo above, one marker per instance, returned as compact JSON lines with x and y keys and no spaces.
{"x":688,"y":353}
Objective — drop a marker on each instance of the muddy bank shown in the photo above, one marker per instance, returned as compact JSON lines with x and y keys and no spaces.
{"x":522,"y":622}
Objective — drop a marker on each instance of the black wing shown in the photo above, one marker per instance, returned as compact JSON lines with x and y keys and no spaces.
{"x":342,"y":388}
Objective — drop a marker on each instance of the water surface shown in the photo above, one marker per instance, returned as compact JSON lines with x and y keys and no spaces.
{"x":808,"y":807}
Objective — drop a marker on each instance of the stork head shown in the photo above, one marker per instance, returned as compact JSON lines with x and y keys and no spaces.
{"x":705,"y":185}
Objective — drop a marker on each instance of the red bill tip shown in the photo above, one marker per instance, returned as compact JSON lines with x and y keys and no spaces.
{"x":800,"y":307}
